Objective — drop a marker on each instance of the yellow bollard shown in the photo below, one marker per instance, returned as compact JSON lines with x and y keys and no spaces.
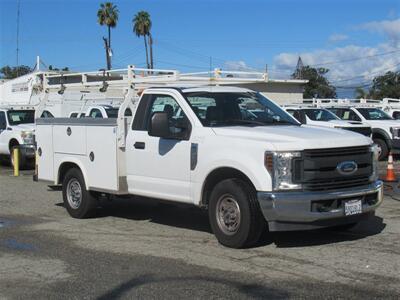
{"x":16,"y":161}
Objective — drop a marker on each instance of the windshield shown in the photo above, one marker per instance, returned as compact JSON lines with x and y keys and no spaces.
{"x":16,"y":117}
{"x":237,"y":109}
{"x":112,"y":112}
{"x":374,"y":114}
{"x":320,"y":115}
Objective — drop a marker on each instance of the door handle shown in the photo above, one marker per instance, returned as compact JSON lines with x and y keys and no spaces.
{"x":139,"y":145}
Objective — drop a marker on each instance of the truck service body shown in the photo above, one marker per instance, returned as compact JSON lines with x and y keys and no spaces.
{"x":199,"y":146}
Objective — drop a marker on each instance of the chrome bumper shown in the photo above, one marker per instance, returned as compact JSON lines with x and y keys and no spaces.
{"x":285,"y":211}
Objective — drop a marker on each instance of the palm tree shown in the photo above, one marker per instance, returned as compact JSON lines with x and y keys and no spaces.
{"x":141,"y":27}
{"x":108,"y":15}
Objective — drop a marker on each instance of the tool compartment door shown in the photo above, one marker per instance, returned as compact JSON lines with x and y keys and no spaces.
{"x":45,"y":157}
{"x":101,"y":158}
{"x":69,"y":139}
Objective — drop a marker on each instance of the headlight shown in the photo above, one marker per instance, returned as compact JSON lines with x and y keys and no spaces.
{"x":375,"y":157}
{"x":279,"y":165}
{"x":395,"y":132}
{"x":27,"y":137}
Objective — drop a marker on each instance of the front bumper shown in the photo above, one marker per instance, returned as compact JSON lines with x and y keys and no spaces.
{"x":286,"y":211}
{"x":27,"y":151}
{"x":395,"y":145}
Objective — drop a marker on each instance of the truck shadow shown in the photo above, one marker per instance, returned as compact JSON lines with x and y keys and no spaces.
{"x":370,"y":227}
{"x":245,"y":290}
{"x":156,"y":211}
{"x":193,"y":218}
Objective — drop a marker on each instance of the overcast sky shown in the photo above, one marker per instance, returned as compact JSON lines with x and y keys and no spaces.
{"x":355,"y":39}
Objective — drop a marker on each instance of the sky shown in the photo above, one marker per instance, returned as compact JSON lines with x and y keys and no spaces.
{"x":355,"y":39}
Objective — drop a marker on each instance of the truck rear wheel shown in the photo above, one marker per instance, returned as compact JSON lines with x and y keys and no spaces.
{"x":235,"y":215}
{"x":78,"y":201}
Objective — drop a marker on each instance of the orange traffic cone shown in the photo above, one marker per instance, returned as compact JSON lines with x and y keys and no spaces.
{"x":390,"y":175}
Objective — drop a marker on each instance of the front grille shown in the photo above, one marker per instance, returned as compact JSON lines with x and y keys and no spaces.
{"x":317,"y":170}
{"x":361,"y":130}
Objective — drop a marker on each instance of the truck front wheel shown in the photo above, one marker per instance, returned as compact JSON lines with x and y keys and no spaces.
{"x":382,"y":148}
{"x":78,"y":201}
{"x":235,"y":215}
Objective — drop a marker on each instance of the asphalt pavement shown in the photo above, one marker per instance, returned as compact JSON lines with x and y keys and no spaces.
{"x":142,"y":248}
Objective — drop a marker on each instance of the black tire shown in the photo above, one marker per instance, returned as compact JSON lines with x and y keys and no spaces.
{"x":384,"y":148}
{"x":345,"y":227}
{"x":21,"y":158}
{"x":78,"y":207}
{"x":248,"y":230}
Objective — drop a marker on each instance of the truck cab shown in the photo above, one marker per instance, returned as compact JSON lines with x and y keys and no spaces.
{"x":17,"y":130}
{"x":385,"y":129}
{"x":200,"y":146}
{"x":314,"y":116}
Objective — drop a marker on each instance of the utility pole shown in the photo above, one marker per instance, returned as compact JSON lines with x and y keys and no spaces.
{"x":17,"y":50}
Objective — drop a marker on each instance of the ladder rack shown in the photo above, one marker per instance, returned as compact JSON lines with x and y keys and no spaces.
{"x":139,"y":78}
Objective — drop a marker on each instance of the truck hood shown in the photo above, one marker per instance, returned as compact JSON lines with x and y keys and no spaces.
{"x":337,"y":123}
{"x":343,"y":123}
{"x":383,"y":123}
{"x":295,"y":137}
{"x":24,"y":127}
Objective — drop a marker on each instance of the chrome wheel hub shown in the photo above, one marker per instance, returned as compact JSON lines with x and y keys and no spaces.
{"x":74,"y":193}
{"x":379,"y":149}
{"x":228,"y":215}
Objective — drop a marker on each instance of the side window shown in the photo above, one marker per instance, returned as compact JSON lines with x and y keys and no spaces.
{"x":167,"y":104}
{"x":396,"y":115}
{"x":47,"y":114}
{"x":128,"y":112}
{"x":350,"y":115}
{"x":295,"y":114}
{"x":3,"y":123}
{"x":74,"y":115}
{"x":138,"y":122}
{"x":96,"y":113}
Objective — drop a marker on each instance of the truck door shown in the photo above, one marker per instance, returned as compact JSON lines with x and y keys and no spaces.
{"x":3,"y":128}
{"x":158,"y":167}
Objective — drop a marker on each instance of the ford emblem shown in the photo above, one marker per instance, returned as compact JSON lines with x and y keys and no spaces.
{"x":347,"y":167}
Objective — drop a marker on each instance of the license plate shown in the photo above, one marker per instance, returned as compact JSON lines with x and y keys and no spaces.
{"x":353,"y":207}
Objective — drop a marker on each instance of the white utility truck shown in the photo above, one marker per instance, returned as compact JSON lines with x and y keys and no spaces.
{"x":199,"y":146}
{"x":385,"y":129}
{"x":17,"y":131}
{"x":321,"y":117}
{"x":99,"y":112}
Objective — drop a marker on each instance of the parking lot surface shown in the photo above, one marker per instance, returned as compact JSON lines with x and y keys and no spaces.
{"x":141,"y":248}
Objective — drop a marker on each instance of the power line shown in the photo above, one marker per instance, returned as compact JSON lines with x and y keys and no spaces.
{"x":371,"y":73}
{"x":355,"y":59}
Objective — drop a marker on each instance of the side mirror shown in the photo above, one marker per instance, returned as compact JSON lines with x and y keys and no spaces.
{"x":159,"y":125}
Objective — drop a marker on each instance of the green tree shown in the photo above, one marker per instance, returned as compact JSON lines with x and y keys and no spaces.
{"x":386,"y":86}
{"x":13,"y":72}
{"x":108,"y":15}
{"x":318,"y":85}
{"x":51,"y":68}
{"x":361,"y":93}
{"x":141,"y":27}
